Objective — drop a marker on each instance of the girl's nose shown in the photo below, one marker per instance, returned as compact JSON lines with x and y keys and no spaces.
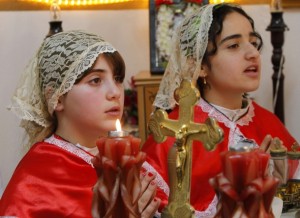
{"x":252,"y":52}
{"x":114,"y":90}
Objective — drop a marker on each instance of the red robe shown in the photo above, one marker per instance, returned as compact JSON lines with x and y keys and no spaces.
{"x":255,"y":125}
{"x":54,"y":179}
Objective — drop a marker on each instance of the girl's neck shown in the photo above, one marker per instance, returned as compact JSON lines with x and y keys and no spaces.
{"x":231,"y":102}
{"x":77,"y":138}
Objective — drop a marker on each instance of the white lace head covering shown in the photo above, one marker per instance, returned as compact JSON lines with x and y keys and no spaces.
{"x":189,"y":45}
{"x":59,"y":62}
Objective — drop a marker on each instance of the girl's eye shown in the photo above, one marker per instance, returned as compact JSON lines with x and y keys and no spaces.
{"x":119,"y":79}
{"x":95,"y":80}
{"x":233,"y":46}
{"x":255,"y":44}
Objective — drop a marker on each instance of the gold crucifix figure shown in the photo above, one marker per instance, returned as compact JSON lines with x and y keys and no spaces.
{"x":185,"y":130}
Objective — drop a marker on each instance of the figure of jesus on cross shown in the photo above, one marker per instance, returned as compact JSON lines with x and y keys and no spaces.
{"x":185,"y":130}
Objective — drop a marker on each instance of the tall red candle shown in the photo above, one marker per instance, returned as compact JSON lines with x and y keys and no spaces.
{"x":244,"y":187}
{"x":118,"y":188}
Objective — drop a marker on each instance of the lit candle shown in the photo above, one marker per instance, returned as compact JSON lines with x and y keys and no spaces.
{"x":117,"y":144}
{"x":118,"y":132}
{"x":55,"y":11}
{"x":119,"y":175}
{"x":276,"y":6}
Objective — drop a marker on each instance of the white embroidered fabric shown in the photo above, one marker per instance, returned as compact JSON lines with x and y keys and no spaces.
{"x":235,"y":135}
{"x":189,"y":45}
{"x":67,"y":146}
{"x":61,"y":59}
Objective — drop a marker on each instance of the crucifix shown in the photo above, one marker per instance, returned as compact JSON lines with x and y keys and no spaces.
{"x":185,"y":131}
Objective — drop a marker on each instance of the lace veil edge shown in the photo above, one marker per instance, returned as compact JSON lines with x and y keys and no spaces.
{"x":189,"y":45}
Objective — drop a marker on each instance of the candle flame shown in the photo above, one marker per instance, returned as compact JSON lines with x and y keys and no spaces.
{"x":118,"y":125}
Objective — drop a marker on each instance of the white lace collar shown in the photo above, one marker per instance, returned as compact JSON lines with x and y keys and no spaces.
{"x":77,"y":150}
{"x":235,"y":135}
{"x":232,"y":115}
{"x":94,"y":151}
{"x":223,"y":115}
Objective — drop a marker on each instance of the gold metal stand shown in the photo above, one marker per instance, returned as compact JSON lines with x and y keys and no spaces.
{"x":289,"y":191}
{"x":185,"y":130}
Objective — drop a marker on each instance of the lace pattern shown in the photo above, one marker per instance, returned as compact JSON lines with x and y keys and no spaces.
{"x":161,"y":183}
{"x":58,"y":63}
{"x":189,"y":45}
{"x":235,"y":135}
{"x":67,"y":146}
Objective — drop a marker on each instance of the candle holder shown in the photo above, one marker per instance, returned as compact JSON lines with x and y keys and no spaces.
{"x":289,"y":189}
{"x":55,"y":23}
{"x":277,"y":28}
{"x":55,"y":27}
{"x":116,"y":133}
{"x":118,"y":166}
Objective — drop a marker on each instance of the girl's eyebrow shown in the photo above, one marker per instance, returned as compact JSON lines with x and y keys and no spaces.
{"x":97,"y":70}
{"x":236,"y":36}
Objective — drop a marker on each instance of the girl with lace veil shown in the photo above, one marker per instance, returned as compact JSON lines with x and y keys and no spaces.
{"x":70,"y":94}
{"x":218,"y":49}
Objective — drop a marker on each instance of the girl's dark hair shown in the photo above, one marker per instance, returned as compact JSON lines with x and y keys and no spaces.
{"x":115,"y":61}
{"x":220,"y":11}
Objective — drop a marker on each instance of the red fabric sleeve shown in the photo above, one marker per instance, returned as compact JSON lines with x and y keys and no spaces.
{"x":264,"y":123}
{"x":49,"y":182}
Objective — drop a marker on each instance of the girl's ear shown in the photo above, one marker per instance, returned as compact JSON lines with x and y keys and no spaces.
{"x":60,"y":104}
{"x":203,"y":71}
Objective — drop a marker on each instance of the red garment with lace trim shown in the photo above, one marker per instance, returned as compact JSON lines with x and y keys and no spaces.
{"x":50,"y":182}
{"x":255,"y":125}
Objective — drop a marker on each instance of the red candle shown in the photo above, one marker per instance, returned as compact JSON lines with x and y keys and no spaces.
{"x":119,"y":174}
{"x":243,"y":167}
{"x":244,"y":187}
{"x":117,"y":144}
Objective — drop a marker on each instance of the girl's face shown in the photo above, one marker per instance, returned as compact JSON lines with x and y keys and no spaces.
{"x":235,"y":68}
{"x":94,"y":104}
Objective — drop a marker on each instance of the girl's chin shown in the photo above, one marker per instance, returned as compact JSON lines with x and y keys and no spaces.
{"x":108,"y":125}
{"x":252,"y":87}
{"x":103,"y":130}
